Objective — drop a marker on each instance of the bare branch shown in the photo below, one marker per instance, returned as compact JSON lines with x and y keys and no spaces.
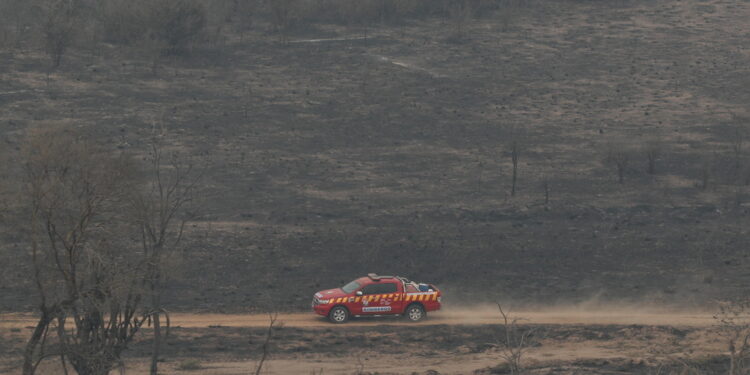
{"x":266,"y":344}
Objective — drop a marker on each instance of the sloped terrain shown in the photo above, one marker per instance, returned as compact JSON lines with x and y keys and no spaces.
{"x":336,"y":155}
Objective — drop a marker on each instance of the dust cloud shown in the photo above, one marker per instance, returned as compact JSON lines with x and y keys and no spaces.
{"x":577,"y":314}
{"x":593,"y":311}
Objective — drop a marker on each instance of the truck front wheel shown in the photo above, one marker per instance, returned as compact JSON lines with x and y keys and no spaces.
{"x":415,"y":312}
{"x":338,"y":315}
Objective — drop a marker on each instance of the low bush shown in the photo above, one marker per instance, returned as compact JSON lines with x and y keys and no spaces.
{"x":190,"y":365}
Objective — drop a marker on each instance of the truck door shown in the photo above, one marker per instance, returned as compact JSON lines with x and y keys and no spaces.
{"x":378,"y":298}
{"x":356,"y":299}
{"x":398,"y":299}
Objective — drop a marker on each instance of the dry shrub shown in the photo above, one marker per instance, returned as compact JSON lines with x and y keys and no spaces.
{"x":733,"y":324}
{"x":515,"y":341}
{"x":190,"y":365}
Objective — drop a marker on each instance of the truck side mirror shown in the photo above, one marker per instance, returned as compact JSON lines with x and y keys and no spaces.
{"x":359,"y":293}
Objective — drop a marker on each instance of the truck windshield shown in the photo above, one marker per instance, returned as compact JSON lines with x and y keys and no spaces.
{"x":352,"y":286}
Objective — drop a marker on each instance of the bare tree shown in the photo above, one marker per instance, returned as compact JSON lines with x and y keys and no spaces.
{"x":59,"y":29}
{"x":515,"y":341}
{"x":619,"y":157}
{"x":706,"y":171}
{"x":123,"y":21}
{"x":653,"y":151}
{"x":177,"y":24}
{"x":245,"y":11}
{"x":6,"y":183}
{"x":460,"y":13}
{"x":509,"y":11}
{"x":363,"y":13}
{"x":154,"y":47}
{"x":738,"y":151}
{"x":159,"y":210}
{"x":281,"y":16}
{"x":84,"y":274}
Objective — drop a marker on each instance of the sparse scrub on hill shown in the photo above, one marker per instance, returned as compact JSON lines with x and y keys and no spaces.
{"x":176,"y":25}
{"x":359,"y":12}
{"x":368,"y":12}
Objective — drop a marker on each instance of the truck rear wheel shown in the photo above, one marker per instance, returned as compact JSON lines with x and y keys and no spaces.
{"x":338,"y":315}
{"x":415,"y":312}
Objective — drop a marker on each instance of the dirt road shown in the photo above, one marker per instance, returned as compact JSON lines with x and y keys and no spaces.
{"x":479,"y":315}
{"x":579,"y":340}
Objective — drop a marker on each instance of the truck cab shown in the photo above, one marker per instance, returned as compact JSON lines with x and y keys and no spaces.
{"x":375,"y":295}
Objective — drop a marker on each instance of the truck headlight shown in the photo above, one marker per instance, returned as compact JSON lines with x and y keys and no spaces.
{"x":323,"y":301}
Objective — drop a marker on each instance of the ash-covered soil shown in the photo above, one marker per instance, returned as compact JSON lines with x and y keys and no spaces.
{"x":334,"y":157}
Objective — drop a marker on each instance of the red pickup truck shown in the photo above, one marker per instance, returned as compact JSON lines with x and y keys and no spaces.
{"x":375,"y":296}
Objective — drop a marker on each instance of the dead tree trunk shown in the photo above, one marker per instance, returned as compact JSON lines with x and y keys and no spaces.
{"x":267,"y":342}
{"x":514,"y":159}
{"x":29,"y":362}
{"x":156,"y":348}
{"x":619,"y":157}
